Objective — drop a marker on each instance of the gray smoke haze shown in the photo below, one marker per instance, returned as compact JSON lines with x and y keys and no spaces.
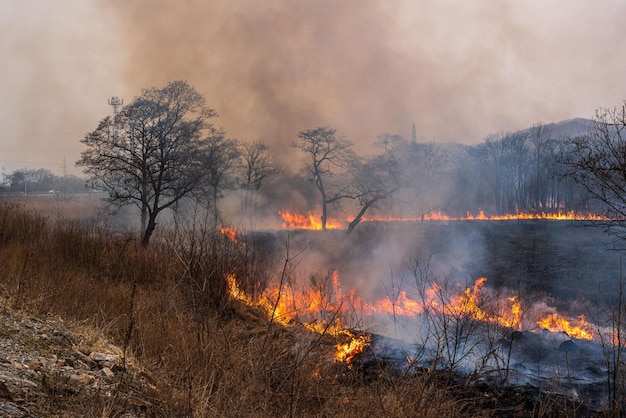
{"x":458,"y":70}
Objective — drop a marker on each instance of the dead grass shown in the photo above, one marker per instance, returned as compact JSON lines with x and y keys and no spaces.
{"x":210,"y":356}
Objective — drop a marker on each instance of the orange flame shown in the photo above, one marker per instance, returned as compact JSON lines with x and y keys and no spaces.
{"x":298,"y":221}
{"x":557,"y":323}
{"x":481,"y":216}
{"x":347,"y":352}
{"x":231,"y":233}
{"x":285,"y":306}
{"x":470,"y":303}
{"x":292,"y":220}
{"x":321,"y":309}
{"x":402,"y":306}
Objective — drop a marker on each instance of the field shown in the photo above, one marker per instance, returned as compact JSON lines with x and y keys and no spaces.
{"x":560,"y":259}
{"x":169,"y":307}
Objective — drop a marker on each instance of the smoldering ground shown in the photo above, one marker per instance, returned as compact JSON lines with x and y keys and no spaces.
{"x":552,"y":267}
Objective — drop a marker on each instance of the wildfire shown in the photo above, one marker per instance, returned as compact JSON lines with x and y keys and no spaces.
{"x":402,"y":305}
{"x":481,"y":216}
{"x":298,"y":221}
{"x":293,"y":220}
{"x":470,"y":303}
{"x":321,"y":309}
{"x":346,"y":352}
{"x":312,"y":307}
{"x":556,"y":323}
{"x":231,"y":233}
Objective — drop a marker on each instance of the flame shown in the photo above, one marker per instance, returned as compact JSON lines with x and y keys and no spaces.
{"x":516,"y":312}
{"x":292,"y":220}
{"x":403,"y":306}
{"x":287,"y":306}
{"x":321,"y":309}
{"x":298,"y":221}
{"x":347,"y":352}
{"x":470,"y":303}
{"x":231,"y":233}
{"x":557,"y":323}
{"x":235,"y":292}
{"x":481,"y":216}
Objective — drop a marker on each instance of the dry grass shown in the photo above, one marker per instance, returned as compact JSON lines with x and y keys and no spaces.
{"x":211,"y":356}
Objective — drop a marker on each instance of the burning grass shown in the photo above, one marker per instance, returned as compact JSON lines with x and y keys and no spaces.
{"x":220,"y":340}
{"x":294,"y":220}
{"x":210,"y":357}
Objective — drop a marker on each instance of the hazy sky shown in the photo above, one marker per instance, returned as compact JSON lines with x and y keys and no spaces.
{"x":458,"y":69}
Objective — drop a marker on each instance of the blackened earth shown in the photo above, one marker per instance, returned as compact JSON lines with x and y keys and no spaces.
{"x":565,"y":260}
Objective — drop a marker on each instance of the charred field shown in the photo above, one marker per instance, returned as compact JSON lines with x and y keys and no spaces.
{"x":558,"y":259}
{"x":558,"y":269}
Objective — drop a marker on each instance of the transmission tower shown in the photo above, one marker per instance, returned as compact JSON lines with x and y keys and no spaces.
{"x":115,"y":102}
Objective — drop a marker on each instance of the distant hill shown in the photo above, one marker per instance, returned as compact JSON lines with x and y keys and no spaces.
{"x":556,"y":130}
{"x":566,"y":128}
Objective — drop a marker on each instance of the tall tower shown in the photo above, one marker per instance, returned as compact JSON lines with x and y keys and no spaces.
{"x":115,"y":102}
{"x":413,"y":134}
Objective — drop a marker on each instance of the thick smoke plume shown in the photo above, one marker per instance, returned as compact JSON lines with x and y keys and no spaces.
{"x":458,"y":70}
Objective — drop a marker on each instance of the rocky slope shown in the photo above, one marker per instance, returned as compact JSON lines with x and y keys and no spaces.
{"x":48,"y":370}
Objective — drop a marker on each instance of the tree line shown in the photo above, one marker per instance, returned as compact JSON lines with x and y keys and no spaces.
{"x":161,"y":151}
{"x":40,"y":180}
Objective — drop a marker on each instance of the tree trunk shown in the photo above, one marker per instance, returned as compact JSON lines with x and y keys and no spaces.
{"x":145,"y":240}
{"x":144,"y":217}
{"x":357,"y":219}
{"x":214,"y":197}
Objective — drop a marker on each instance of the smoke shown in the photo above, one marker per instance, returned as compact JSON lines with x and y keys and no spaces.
{"x":57,"y":72}
{"x":458,"y":70}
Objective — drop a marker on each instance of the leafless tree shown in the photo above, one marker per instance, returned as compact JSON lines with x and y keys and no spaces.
{"x":256,"y":167}
{"x":149,"y":155}
{"x":372,"y":181}
{"x":597,"y":162}
{"x":506,"y":159}
{"x":329,"y":155}
{"x":219,"y":165}
{"x":540,"y":141}
{"x":428,"y":163}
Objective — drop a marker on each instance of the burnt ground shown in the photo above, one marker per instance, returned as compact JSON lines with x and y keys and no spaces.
{"x":563,"y":263}
{"x":565,"y":260}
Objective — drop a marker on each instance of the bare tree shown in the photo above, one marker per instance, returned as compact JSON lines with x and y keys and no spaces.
{"x":539,"y":138}
{"x":256,"y":167}
{"x":427,"y":163}
{"x":373,"y":181}
{"x":220,"y":156}
{"x":149,"y":155}
{"x":329,"y":155}
{"x":506,"y":158}
{"x":597,"y":162}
